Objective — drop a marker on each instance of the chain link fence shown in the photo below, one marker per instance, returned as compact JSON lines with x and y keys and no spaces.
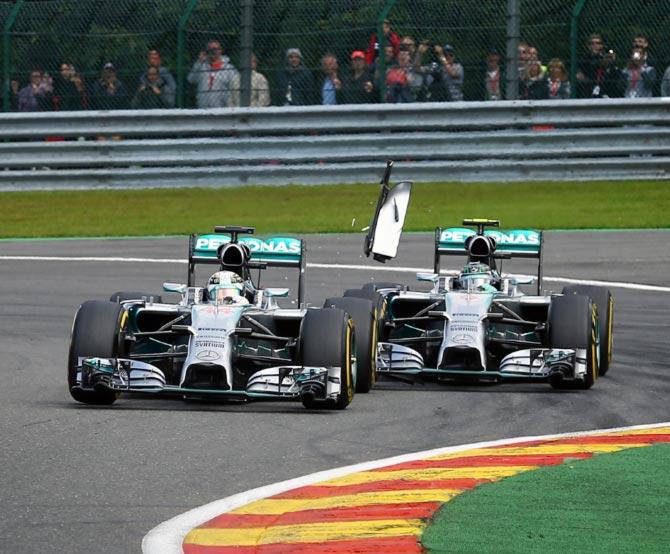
{"x":86,"y":54}
{"x":621,"y":25}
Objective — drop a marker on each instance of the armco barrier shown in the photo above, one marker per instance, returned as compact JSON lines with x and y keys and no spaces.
{"x":468,"y":141}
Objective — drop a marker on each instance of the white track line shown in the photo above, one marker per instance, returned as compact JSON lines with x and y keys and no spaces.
{"x":167,"y":538}
{"x":369,"y":268}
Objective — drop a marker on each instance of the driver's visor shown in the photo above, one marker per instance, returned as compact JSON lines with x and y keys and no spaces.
{"x":224,"y":293}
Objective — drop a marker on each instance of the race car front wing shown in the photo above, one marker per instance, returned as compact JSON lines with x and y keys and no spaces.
{"x":531,"y":364}
{"x":288,"y":382}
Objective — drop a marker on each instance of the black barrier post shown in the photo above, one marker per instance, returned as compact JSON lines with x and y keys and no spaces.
{"x":6,"y":54}
{"x":246,"y":51}
{"x":512,"y":57}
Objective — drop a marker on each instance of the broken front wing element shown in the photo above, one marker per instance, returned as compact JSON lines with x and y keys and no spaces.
{"x":534,"y":363}
{"x":273,"y":383}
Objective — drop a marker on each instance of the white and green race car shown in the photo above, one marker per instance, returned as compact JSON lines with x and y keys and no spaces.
{"x":477,"y":323}
{"x":228,"y":339}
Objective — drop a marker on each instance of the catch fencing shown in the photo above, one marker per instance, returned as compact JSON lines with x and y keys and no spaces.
{"x":45,"y":34}
{"x":465,"y":141}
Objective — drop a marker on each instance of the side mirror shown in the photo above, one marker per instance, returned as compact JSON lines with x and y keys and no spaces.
{"x":386,"y":227}
{"x":275,"y":293}
{"x":522,"y":280}
{"x":174,"y":287}
{"x":431,"y":277}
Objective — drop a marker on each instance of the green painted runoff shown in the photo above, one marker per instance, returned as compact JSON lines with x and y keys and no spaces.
{"x":333,"y":208}
{"x":610,"y":503}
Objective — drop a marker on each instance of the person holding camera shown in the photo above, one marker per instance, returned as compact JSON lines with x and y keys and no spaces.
{"x":451,"y":72}
{"x":108,"y":92}
{"x":640,"y":78}
{"x":427,"y":84}
{"x":216,"y":80}
{"x":151,"y":95}
{"x":597,"y":75}
{"x":168,"y":85}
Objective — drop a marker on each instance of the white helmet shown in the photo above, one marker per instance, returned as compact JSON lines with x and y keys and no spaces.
{"x":477,"y":277}
{"x":225,"y":287}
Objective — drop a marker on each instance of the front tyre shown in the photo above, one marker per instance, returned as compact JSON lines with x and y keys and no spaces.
{"x":364,"y":314}
{"x":573,"y":323}
{"x":603,"y":299}
{"x":96,"y":332}
{"x":327,"y":340}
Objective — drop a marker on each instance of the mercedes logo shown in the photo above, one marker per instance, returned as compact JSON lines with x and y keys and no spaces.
{"x":462,"y":339}
{"x":208,"y":355}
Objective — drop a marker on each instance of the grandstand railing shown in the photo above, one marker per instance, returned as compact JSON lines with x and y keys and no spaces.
{"x":469,"y":141}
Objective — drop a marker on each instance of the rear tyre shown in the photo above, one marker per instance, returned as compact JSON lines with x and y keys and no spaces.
{"x":364,"y":314}
{"x":327,"y":339}
{"x":604,"y":301}
{"x":96,"y":332}
{"x":573,"y":324}
{"x":122,"y":296}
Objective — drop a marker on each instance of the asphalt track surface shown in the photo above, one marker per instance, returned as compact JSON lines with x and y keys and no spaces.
{"x":76,"y":479}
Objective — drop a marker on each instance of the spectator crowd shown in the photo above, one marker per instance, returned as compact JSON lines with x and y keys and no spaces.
{"x":407,"y":70}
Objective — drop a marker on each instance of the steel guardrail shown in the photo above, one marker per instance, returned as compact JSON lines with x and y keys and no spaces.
{"x":464,"y":141}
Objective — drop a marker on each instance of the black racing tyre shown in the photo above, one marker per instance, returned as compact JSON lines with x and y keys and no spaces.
{"x":122,"y":296}
{"x":378,"y":300}
{"x":604,"y":301}
{"x":360,"y":293}
{"x":573,"y":324}
{"x":327,"y":339}
{"x":364,"y":314}
{"x":95,"y":333}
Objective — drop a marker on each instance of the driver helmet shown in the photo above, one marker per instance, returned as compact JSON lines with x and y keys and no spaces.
{"x":477,"y":277}
{"x":226,"y":287}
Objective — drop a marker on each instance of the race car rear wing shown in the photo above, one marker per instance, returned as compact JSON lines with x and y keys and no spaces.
{"x":276,"y":251}
{"x":515,"y":243}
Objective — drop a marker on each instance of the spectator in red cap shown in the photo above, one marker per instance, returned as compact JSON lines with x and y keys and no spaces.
{"x":358,"y":88}
{"x":390,"y":37}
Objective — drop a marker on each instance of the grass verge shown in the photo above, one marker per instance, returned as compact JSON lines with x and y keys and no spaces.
{"x":610,"y":503}
{"x":337,"y":208}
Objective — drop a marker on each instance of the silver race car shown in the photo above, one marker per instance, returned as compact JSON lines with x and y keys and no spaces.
{"x":476,"y":323}
{"x":228,"y":339}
